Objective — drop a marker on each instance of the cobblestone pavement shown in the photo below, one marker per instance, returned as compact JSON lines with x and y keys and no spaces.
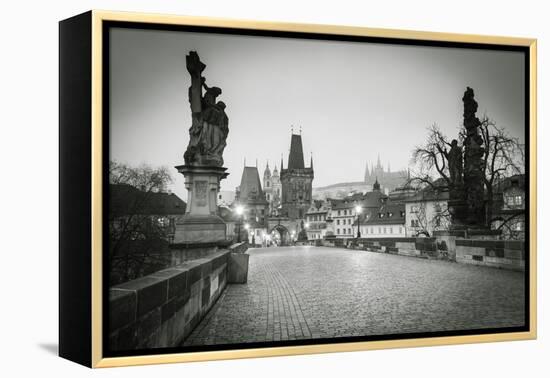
{"x":312,"y":292}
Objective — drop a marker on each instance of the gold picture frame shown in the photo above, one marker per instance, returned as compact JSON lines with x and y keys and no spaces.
{"x":93,"y":25}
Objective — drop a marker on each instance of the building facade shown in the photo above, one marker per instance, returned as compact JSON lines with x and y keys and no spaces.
{"x":427,"y":211}
{"x":388,"y":221}
{"x":316,"y":220}
{"x":272,"y":189}
{"x":296,"y":182}
{"x":344,"y":211}
{"x":251,"y":197}
{"x":509,"y":208}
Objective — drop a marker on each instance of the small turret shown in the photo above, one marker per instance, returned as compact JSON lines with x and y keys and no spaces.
{"x":267,"y":171}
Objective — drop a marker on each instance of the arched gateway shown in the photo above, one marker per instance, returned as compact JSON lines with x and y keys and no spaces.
{"x":282,"y":230}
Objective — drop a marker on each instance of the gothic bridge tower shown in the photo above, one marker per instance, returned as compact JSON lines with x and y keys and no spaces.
{"x":296,"y":181}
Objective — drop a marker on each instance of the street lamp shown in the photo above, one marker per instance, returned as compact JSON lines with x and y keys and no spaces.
{"x":358,"y":210}
{"x":240,"y":211}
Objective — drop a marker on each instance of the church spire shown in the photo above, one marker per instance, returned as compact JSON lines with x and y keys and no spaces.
{"x":366,"y":171}
{"x":267,"y":171}
{"x":281,"y":162}
{"x":378,"y":164}
{"x":311,"y":160}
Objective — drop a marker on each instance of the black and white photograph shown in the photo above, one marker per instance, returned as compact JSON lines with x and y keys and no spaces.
{"x":299,"y":189}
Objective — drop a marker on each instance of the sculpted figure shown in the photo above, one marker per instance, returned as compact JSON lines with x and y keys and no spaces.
{"x":209,"y":124}
{"x":455,"y":163}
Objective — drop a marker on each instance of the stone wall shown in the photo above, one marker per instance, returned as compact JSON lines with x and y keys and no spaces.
{"x":495,"y":253}
{"x":417,"y":247}
{"x":162,"y":309}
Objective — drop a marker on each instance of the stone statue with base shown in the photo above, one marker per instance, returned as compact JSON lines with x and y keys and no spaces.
{"x":203,"y":169}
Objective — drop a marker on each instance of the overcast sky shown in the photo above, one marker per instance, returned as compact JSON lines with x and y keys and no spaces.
{"x":353,"y":101}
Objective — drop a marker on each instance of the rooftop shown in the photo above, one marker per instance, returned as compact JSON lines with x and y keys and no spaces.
{"x":126,"y":199}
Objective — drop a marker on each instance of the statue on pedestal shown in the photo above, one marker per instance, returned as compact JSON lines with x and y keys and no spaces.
{"x":473,"y":162}
{"x":203,"y":169}
{"x":466,"y":174}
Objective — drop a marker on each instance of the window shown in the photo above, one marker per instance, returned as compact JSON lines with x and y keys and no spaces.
{"x":219,"y":196}
{"x":379,"y":230}
{"x":380,"y":215}
{"x":390,"y":214}
{"x":391,"y":230}
{"x":337,"y":231}
{"x":402,"y":214}
{"x":337,"y":222}
{"x":338,"y":212}
{"x":268,"y":196}
{"x":384,"y":229}
{"x":518,"y":226}
{"x":400,"y":230}
{"x":349,"y":221}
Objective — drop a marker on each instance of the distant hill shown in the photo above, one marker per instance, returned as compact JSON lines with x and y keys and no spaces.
{"x":340,"y":190}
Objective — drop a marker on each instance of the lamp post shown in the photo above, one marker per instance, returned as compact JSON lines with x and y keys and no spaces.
{"x":240,"y":211}
{"x":358,"y":210}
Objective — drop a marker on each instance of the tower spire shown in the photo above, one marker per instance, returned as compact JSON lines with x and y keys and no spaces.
{"x":311,"y":160}
{"x":366,"y":171}
{"x":281,"y":162}
{"x":296,"y":154}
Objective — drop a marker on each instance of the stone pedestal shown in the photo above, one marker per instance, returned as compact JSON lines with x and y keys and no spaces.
{"x":201,"y":223}
{"x":237,"y":268}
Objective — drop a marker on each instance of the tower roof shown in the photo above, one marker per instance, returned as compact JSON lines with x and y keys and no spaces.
{"x":267,"y":171}
{"x":251,"y":186}
{"x":296,"y":156}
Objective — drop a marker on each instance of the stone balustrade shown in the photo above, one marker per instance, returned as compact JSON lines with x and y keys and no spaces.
{"x":163,"y":308}
{"x":493,"y":253}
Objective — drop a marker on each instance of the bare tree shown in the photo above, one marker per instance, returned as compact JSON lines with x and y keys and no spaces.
{"x":503,"y":157}
{"x":431,"y":161}
{"x":136,"y":236}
